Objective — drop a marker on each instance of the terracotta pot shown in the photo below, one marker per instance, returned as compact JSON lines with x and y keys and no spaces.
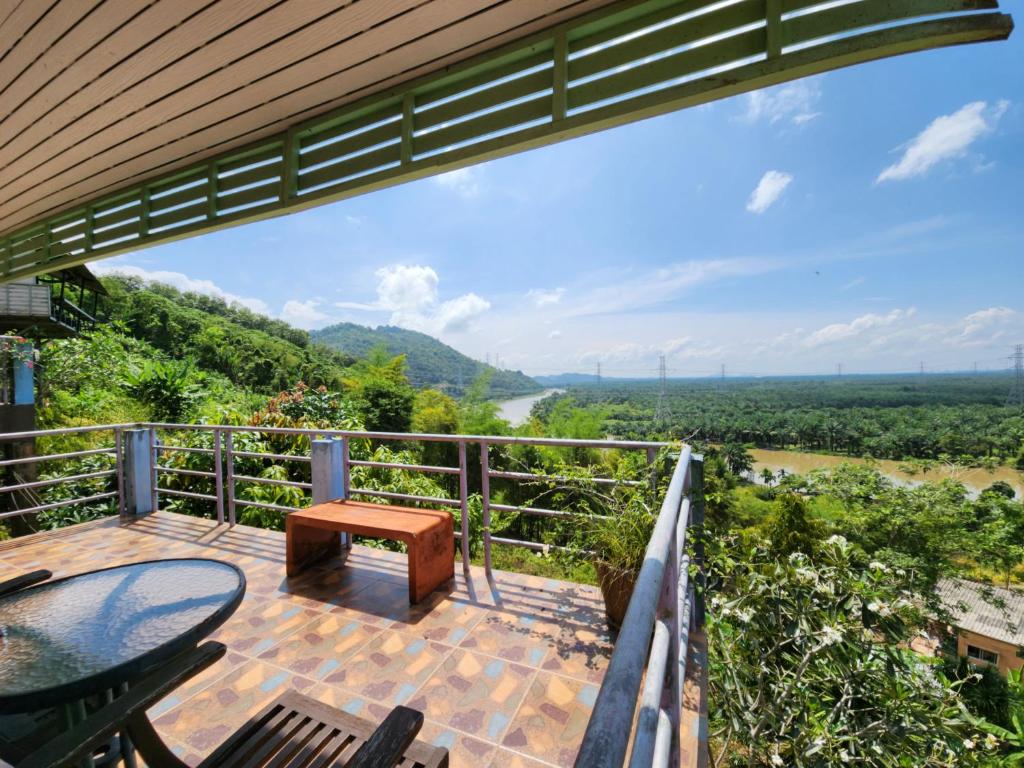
{"x":616,"y":588}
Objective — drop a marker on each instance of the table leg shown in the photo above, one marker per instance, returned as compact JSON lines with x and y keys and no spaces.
{"x":74,"y":713}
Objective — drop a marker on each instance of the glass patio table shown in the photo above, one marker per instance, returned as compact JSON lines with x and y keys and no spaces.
{"x":66,"y":642}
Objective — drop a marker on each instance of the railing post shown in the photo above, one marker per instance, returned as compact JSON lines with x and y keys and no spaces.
{"x":652,"y":466}
{"x":346,"y":484}
{"x":485,"y":492}
{"x":327,"y":472}
{"x":138,"y":471}
{"x":697,"y":536}
{"x":119,"y":459}
{"x":229,"y":469}
{"x":154,"y":457}
{"x":464,"y":504}
{"x":218,"y":475}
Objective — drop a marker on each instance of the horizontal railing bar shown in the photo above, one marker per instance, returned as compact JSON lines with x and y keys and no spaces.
{"x":406,"y":497}
{"x":54,"y":456}
{"x":186,"y":494}
{"x":264,"y":505}
{"x":536,"y":546}
{"x":271,"y":481}
{"x":63,"y":431}
{"x":554,"y":442}
{"x":58,"y":504}
{"x":190,"y":472}
{"x":57,"y":481}
{"x":410,"y":467}
{"x":662,"y":757}
{"x":536,"y":511}
{"x":650,"y":699}
{"x":277,"y":456}
{"x":563,"y":478}
{"x":185,"y":449}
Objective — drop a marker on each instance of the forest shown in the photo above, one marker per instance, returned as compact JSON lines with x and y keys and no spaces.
{"x":885,"y":417}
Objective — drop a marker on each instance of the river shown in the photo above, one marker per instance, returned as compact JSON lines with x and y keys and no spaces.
{"x":517,"y":411}
{"x":975,"y":480}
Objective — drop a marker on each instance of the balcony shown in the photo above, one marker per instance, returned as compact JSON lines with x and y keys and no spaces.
{"x":509,"y":669}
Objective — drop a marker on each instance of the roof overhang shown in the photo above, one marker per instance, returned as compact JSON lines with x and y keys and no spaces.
{"x":123,"y":124}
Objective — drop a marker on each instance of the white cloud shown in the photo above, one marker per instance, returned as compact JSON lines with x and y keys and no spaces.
{"x":947,"y":137}
{"x":984,"y":327}
{"x":768,"y":190}
{"x":304,"y":314}
{"x":410,"y":294}
{"x":183,"y":283}
{"x":466,"y":182}
{"x":555,"y":335}
{"x":543,"y":297}
{"x":856,"y":282}
{"x":795,"y":103}
{"x":857,"y":327}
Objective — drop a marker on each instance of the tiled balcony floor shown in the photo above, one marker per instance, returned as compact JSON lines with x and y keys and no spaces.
{"x":506,"y":676}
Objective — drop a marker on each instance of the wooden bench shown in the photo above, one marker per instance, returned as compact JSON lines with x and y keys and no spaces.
{"x":312,"y":535}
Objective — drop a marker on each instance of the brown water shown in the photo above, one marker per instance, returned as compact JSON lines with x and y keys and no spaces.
{"x":976,"y":480}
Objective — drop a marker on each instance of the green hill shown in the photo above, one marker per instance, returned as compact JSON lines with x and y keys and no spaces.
{"x":431,"y":363}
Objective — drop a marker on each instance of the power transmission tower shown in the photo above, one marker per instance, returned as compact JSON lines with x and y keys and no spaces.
{"x":922,"y":368}
{"x":1016,"y":396}
{"x":723,"y":371}
{"x":661,"y":412}
{"x":599,"y":372}
{"x":839,"y":369}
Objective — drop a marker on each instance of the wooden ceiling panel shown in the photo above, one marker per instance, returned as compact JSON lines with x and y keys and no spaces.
{"x":63,"y":99}
{"x":428,"y":34}
{"x":42,"y":37}
{"x":19,"y":20}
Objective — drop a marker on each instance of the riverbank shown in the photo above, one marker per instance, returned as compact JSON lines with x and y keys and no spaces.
{"x":800,"y":463}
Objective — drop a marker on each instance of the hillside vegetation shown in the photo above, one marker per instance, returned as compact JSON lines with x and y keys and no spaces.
{"x":431,"y":363}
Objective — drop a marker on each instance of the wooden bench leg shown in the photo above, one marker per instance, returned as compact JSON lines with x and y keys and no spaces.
{"x":306,"y":545}
{"x":431,"y":561}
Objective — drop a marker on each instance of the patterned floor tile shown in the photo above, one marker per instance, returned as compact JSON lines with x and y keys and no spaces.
{"x":503,"y":758}
{"x":390,"y":668}
{"x":580,"y":652}
{"x":209,"y":717}
{"x":321,"y":647}
{"x":207,"y":677}
{"x":473,"y":693}
{"x":260,"y":624}
{"x":517,"y":638}
{"x":551,"y":722}
{"x":442,"y":619}
{"x":463,"y":751}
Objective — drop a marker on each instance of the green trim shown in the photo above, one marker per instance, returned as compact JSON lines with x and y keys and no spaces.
{"x":524,"y":95}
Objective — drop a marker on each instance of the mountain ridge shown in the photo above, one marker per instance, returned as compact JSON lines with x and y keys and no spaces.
{"x":431,"y":362}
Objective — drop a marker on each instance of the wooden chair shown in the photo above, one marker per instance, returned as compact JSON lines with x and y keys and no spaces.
{"x":294,"y":731}
{"x":25,"y":580}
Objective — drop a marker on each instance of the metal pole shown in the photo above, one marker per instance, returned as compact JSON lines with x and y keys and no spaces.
{"x":346,"y":485}
{"x":218,"y":474}
{"x":119,"y":452}
{"x":230,"y":470}
{"x":155,"y":459}
{"x":464,"y":503}
{"x":485,"y":492}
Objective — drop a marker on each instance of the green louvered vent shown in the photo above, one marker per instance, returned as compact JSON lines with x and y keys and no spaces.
{"x":630,"y":61}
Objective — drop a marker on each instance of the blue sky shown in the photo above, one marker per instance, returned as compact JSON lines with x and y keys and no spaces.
{"x":872,"y":217}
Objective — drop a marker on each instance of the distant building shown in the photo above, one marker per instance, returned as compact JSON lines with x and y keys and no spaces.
{"x":56,"y":305}
{"x":989,"y":622}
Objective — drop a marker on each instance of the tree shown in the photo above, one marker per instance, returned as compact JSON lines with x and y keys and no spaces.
{"x":767,"y":477}
{"x":791,"y":529}
{"x":738,"y":459}
{"x":435,"y":413}
{"x":808,"y":666}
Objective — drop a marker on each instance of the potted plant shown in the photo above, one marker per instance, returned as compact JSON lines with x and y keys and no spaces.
{"x":610,"y":529}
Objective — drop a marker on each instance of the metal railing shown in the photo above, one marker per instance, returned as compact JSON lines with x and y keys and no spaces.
{"x":649,"y":662}
{"x":665,"y":600}
{"x":222,"y":475}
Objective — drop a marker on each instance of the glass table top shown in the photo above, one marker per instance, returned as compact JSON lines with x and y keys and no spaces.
{"x":65,"y":634}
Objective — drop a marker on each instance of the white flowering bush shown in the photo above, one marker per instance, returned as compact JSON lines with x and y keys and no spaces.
{"x":809,"y":666}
